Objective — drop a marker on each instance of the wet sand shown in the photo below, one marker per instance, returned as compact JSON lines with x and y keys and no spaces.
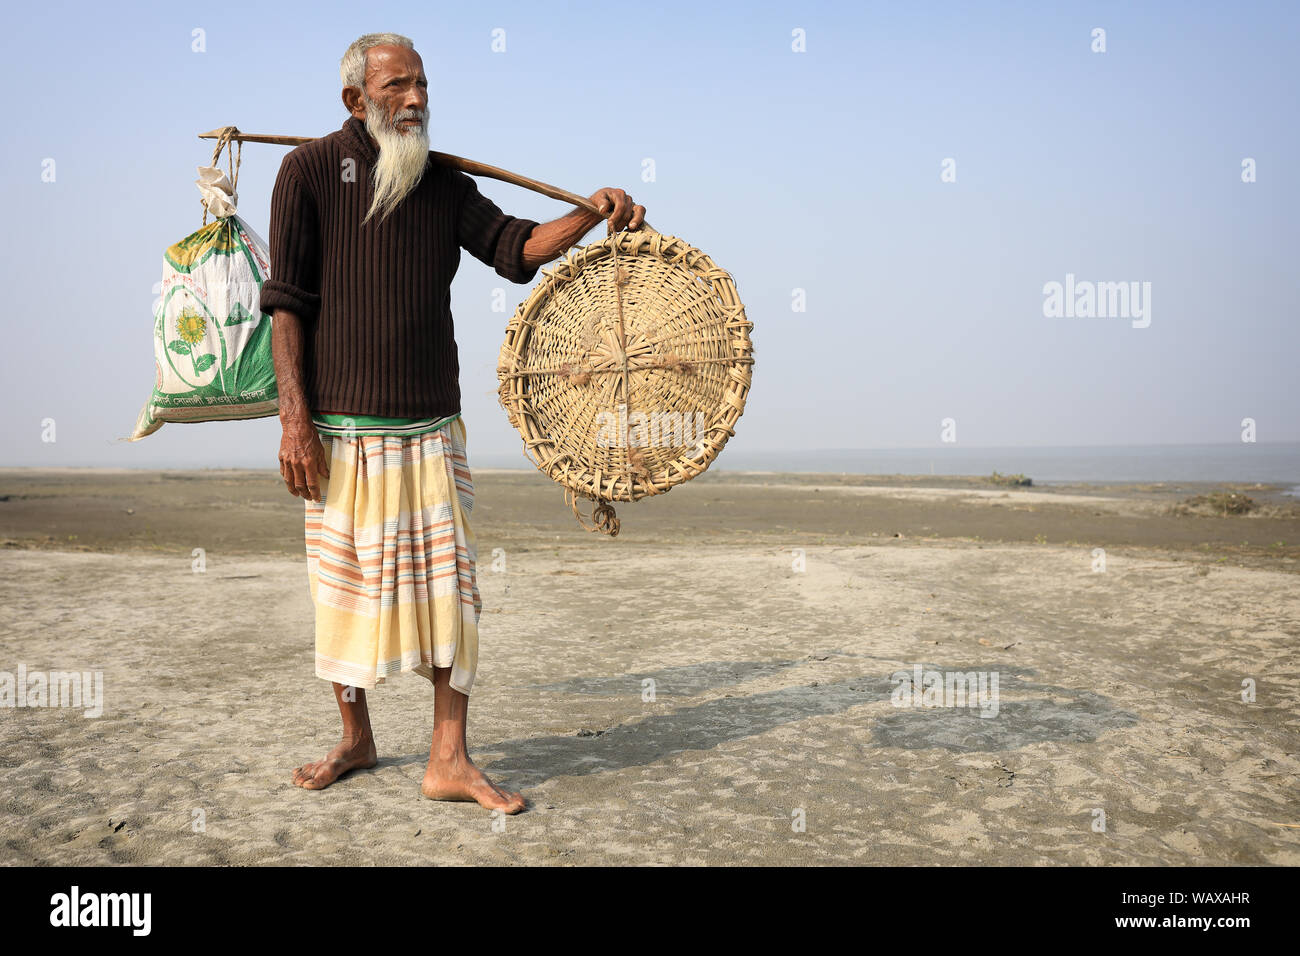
{"x":766,"y":612}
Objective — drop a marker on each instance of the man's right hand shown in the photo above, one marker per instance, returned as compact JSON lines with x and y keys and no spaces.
{"x":302,"y":458}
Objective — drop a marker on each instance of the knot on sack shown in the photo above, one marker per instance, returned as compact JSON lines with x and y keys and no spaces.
{"x":216,"y":188}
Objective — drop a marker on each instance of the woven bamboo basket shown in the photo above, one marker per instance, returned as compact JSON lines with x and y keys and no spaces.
{"x":626,"y":369}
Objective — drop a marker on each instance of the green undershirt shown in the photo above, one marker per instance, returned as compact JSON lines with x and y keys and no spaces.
{"x":355,"y":426}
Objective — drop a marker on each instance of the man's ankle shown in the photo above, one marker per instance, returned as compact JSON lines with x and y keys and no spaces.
{"x":447,"y":752}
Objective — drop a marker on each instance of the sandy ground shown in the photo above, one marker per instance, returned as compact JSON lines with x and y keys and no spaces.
{"x":772,"y":736}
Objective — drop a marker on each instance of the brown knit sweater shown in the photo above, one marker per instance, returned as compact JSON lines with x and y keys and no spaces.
{"x":375,"y":300}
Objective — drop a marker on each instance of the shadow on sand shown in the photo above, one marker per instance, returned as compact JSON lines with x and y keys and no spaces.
{"x":530,"y":761}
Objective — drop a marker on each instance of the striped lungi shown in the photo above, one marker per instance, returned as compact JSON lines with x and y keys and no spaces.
{"x":391,"y":559}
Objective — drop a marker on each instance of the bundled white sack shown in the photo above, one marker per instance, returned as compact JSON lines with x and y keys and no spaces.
{"x":212,"y":347}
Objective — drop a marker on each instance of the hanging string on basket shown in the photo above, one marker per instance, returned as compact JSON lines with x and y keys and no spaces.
{"x":603,"y":518}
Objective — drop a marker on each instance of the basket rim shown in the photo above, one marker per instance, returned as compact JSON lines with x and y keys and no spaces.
{"x":584,"y":478}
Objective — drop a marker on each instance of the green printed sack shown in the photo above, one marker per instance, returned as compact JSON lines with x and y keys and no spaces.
{"x":212,"y":346}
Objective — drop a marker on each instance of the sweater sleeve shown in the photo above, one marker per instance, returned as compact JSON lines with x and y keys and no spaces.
{"x":490,"y":236}
{"x":295,"y":247}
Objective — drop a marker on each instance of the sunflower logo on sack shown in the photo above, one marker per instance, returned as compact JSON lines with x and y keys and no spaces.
{"x":190,"y":326}
{"x":191,"y":330}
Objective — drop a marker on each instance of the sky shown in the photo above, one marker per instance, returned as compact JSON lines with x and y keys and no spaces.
{"x":822,"y":176}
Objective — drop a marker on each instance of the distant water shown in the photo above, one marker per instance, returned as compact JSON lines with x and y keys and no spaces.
{"x":1273,"y":463}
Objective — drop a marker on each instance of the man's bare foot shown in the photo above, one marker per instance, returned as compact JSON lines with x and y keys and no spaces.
{"x":456,"y":778}
{"x":349,"y":755}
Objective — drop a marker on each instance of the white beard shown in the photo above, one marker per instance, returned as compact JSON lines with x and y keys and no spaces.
{"x":403,"y":156}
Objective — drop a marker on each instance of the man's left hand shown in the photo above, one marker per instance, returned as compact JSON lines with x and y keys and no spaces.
{"x":618,"y":207}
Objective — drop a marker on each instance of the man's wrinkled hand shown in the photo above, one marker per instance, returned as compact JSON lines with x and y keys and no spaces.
{"x":302,"y":459}
{"x":619,"y":208}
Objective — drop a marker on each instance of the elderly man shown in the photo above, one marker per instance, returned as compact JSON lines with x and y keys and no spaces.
{"x":366,"y":233}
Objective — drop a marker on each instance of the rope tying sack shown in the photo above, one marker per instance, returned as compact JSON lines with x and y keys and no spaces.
{"x":219,"y":190}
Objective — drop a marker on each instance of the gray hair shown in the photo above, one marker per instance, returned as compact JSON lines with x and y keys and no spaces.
{"x":352,"y":68}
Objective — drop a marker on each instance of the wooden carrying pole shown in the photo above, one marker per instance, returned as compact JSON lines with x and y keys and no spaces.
{"x":473,"y":167}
